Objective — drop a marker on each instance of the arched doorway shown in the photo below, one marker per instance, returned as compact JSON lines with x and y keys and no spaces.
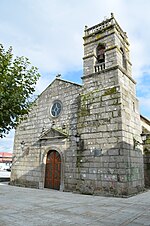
{"x":53,"y":170}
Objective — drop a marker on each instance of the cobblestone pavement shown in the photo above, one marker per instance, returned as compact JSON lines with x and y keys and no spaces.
{"x":33,"y":207}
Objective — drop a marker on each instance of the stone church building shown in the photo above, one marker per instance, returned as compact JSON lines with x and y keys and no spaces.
{"x":86,"y":138}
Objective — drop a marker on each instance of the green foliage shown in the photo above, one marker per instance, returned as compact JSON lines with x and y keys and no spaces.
{"x":110,"y":91}
{"x":84,"y":102}
{"x":17,"y":84}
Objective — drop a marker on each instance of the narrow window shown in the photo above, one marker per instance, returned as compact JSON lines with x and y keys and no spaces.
{"x":133,"y":106}
{"x":124,"y":62}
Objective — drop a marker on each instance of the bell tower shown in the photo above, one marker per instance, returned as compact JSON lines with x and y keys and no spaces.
{"x":106,"y":46}
{"x":108,"y":115}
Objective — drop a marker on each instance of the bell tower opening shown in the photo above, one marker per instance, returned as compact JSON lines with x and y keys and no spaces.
{"x":100,"y":57}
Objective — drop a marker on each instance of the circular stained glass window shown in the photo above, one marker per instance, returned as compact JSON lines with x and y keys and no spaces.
{"x":56,"y":109}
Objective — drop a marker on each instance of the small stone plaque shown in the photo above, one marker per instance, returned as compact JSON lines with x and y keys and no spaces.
{"x":97,"y":152}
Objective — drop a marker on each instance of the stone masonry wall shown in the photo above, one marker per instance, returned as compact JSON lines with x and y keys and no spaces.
{"x":28,"y":163}
{"x":131,"y":129}
{"x":98,"y":111}
{"x":146,"y":156}
{"x":103,"y":168}
{"x":106,"y":161}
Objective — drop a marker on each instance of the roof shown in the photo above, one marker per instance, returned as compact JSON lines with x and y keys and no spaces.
{"x":73,"y":83}
{"x":60,"y":79}
{"x":5,"y":155}
{"x":146,"y":120}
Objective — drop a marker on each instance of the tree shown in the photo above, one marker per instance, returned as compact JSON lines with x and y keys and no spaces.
{"x":17,"y":84}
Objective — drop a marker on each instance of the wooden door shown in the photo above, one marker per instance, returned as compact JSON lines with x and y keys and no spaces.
{"x":53,"y":170}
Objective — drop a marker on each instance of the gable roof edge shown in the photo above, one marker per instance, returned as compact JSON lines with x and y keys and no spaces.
{"x":73,"y":83}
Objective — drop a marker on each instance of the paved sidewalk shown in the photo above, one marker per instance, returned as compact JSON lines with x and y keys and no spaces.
{"x":33,"y":207}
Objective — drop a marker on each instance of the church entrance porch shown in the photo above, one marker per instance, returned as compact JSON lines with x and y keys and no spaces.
{"x":53,"y":170}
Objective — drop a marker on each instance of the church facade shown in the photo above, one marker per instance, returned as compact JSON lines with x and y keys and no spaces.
{"x":84,"y":138}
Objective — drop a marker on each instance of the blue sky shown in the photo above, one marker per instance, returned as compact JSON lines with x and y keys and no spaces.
{"x":49,"y":33}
